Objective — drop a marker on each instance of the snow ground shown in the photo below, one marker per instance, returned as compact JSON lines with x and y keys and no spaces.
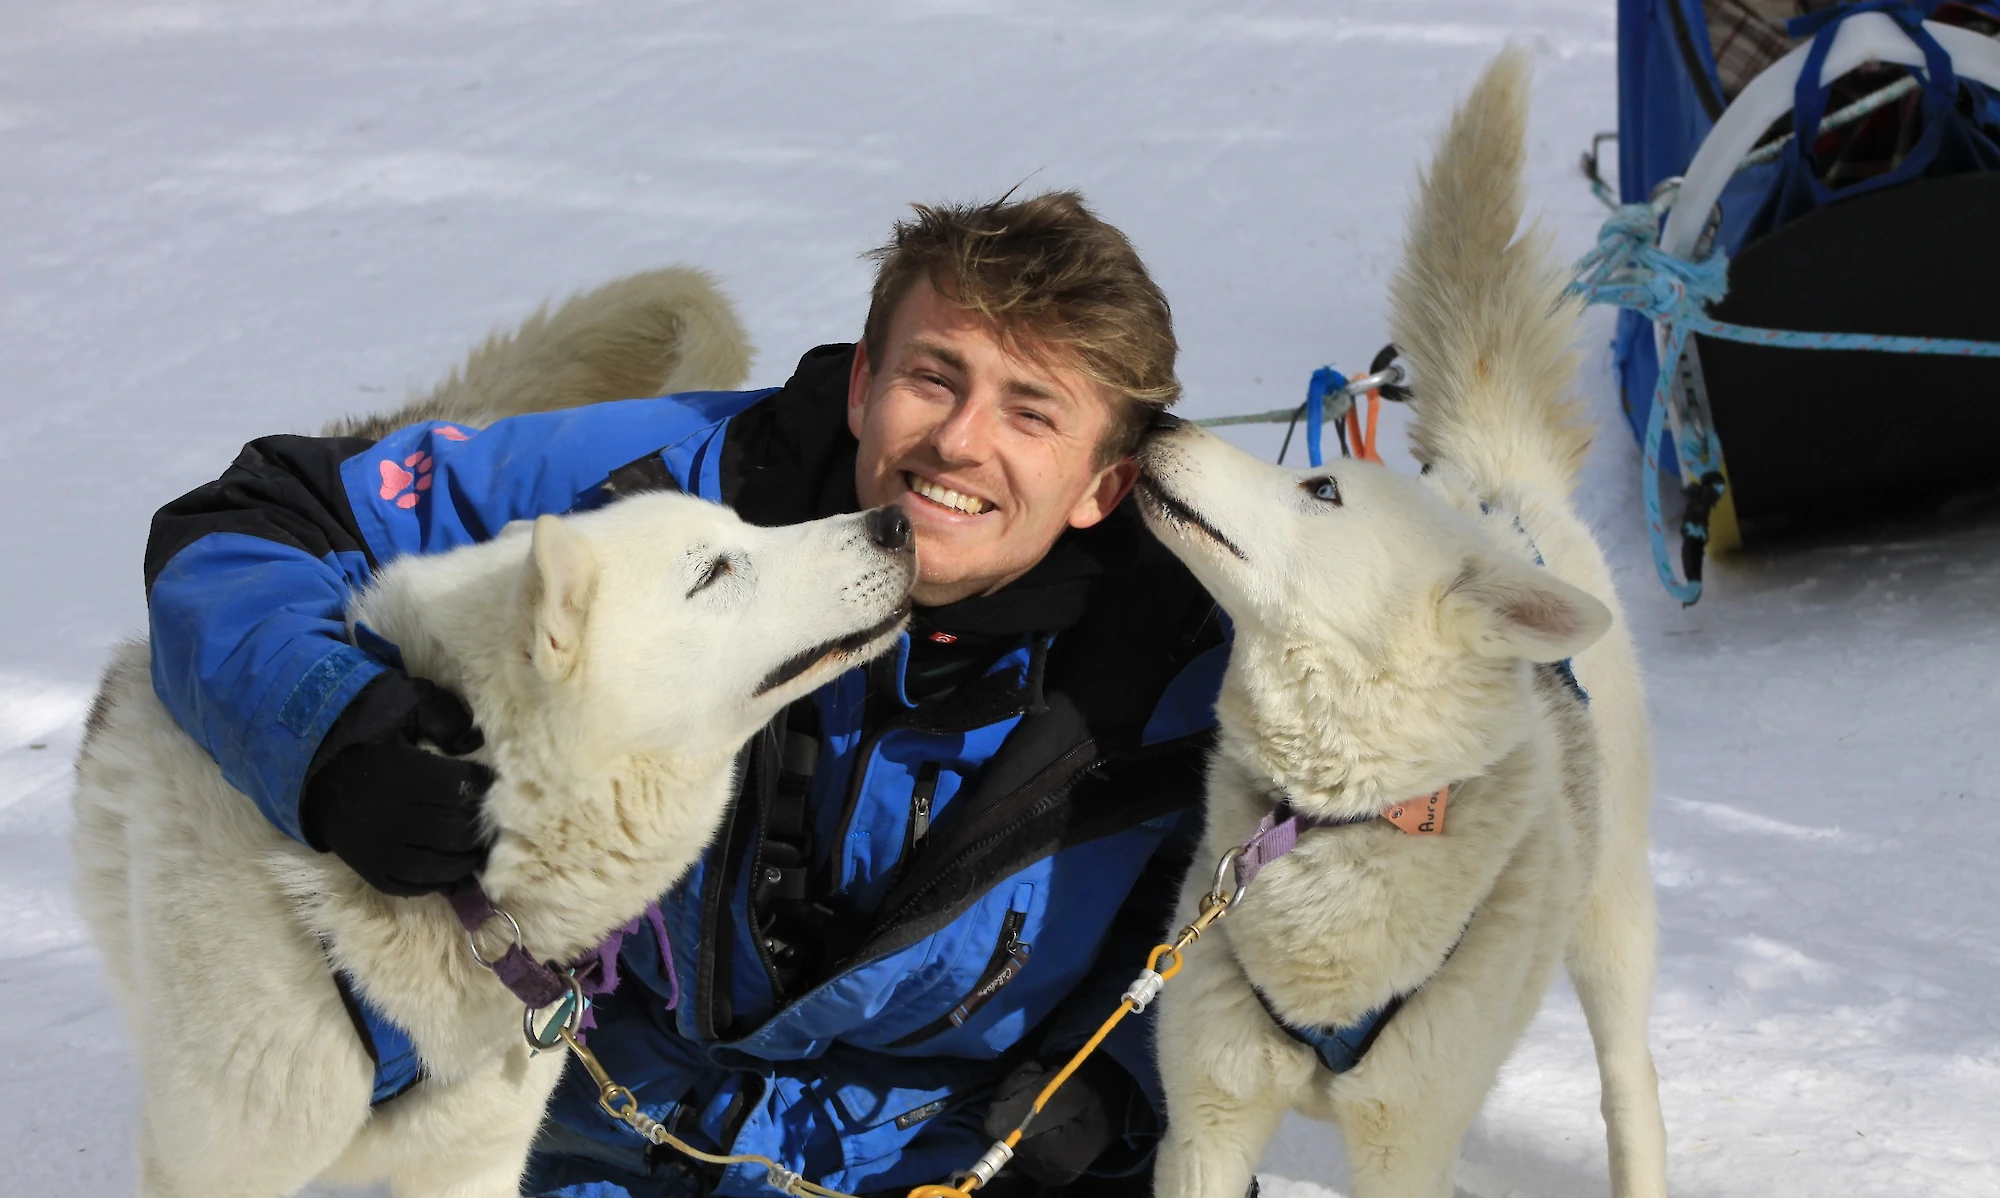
{"x":225,"y":219}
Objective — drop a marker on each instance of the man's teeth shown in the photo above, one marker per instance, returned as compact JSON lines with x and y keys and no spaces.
{"x":971,"y":505}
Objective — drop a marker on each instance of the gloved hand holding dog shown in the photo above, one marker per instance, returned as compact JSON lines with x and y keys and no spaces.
{"x":404,"y":818}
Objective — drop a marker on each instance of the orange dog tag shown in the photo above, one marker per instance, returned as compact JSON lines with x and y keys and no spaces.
{"x":1420,"y":817}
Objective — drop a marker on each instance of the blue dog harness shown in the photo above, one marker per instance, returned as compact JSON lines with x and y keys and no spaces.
{"x":1341,"y":1048}
{"x":398,"y":1068}
{"x":1338,"y":1048}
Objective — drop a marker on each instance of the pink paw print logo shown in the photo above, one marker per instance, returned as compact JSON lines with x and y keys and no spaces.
{"x":404,"y":483}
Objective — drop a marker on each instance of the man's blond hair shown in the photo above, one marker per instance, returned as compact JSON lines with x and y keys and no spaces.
{"x":1056,"y":280}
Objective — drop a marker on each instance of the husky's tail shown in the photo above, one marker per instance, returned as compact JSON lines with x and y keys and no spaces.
{"x":1481,"y":316}
{"x":647,"y":334}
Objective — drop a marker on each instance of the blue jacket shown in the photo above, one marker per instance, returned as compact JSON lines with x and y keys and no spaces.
{"x":908,"y":899}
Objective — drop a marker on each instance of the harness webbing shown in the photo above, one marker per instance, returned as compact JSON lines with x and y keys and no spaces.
{"x":1339,"y":1049}
{"x":398,"y":1068}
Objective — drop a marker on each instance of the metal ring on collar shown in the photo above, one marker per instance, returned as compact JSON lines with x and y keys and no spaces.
{"x":1223,"y":869}
{"x":568,"y":1018}
{"x":472,"y":938}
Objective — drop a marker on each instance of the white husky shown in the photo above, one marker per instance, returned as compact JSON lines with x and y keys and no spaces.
{"x":1392,"y":640}
{"x":615,"y":670}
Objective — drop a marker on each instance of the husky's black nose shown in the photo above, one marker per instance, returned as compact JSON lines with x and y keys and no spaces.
{"x":1164,"y":422}
{"x":889,"y":527}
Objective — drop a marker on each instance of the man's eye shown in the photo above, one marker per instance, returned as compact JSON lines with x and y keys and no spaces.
{"x":1323,"y":489}
{"x":716,"y":569}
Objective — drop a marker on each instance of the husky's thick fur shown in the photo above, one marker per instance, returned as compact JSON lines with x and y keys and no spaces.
{"x":615,"y":669}
{"x":1394,"y":636}
{"x":656,"y":333}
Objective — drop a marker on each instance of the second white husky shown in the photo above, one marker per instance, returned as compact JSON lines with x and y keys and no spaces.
{"x":1397,"y":642}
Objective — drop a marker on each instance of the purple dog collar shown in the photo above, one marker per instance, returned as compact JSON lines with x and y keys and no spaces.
{"x":539,"y":985}
{"x":1278,"y":834}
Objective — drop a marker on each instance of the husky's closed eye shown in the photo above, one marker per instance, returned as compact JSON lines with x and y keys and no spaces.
{"x":717,"y":569}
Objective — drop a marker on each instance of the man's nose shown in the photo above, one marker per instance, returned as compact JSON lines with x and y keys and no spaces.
{"x":889,"y":527}
{"x":964,"y":435}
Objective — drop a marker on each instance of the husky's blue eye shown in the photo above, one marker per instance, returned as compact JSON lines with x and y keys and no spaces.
{"x":1323,"y":489}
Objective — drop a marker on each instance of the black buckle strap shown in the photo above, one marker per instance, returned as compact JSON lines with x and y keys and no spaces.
{"x":649,"y":473}
{"x":1700,"y":496}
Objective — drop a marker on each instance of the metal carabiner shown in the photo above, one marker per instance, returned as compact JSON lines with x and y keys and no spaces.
{"x":567,"y":1021}
{"x":1223,"y":871}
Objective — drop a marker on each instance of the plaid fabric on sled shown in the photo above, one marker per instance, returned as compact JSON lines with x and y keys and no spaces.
{"x":1749,"y":35}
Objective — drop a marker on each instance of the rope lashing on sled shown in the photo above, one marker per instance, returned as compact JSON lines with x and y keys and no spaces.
{"x":1629,"y":269}
{"x":1331,"y":396}
{"x":1849,"y":35}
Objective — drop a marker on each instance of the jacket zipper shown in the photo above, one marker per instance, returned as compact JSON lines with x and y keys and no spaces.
{"x":1010,"y":957}
{"x":921,"y":798}
{"x":1018,"y":698}
{"x":768,"y":766}
{"x":1039,"y":807}
{"x":858,"y":770}
{"x":882,"y":943}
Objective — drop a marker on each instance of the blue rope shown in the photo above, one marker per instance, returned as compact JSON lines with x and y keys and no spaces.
{"x":1628,"y":269}
{"x":1603,"y":192}
{"x":1325,"y":381}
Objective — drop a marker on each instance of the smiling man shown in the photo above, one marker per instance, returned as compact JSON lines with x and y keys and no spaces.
{"x":994,"y":445}
{"x":941,"y":871}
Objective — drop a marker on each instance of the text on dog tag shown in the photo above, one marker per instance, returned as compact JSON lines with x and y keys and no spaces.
{"x":1420,"y":817}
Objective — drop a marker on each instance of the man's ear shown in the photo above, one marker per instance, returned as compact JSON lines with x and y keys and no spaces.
{"x":562,"y":577}
{"x":859,"y":376}
{"x":1506,"y":608}
{"x":1107,"y":491}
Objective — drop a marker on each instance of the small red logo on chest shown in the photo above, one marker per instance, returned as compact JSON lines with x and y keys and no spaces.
{"x":943,"y":638}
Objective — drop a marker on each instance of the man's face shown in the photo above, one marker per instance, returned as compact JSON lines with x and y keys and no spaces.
{"x":991,"y":454}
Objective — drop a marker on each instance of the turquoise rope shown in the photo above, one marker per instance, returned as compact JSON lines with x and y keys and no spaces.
{"x":1629,"y":269}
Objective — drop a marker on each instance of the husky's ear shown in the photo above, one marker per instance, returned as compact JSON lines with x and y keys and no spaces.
{"x":562,"y":576}
{"x":1506,"y":608}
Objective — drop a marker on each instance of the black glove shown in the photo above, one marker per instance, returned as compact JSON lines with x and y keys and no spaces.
{"x":405,"y":819}
{"x":1074,"y":1129}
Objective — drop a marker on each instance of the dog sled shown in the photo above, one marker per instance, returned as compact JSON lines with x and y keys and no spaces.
{"x":1804,"y":241}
